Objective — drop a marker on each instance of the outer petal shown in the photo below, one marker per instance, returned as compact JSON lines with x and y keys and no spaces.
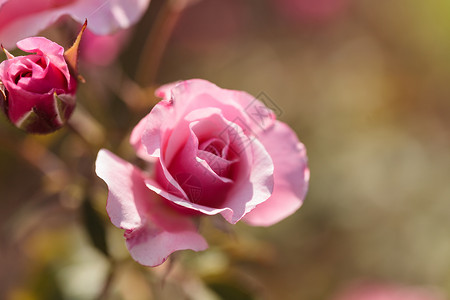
{"x":42,"y":45}
{"x":128,"y":198}
{"x":194,"y":94}
{"x":291,"y":176}
{"x":17,"y":108}
{"x":107,"y":16}
{"x":136,"y":139}
{"x":165,"y":91}
{"x":20,"y":19}
{"x":153,"y":230}
{"x":150,"y":246}
{"x":158,"y":121}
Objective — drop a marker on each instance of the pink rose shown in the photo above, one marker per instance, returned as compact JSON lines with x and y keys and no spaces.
{"x":24,"y":18}
{"x":383,"y":291}
{"x":38,"y":90}
{"x":102,"y":50}
{"x":210,"y":151}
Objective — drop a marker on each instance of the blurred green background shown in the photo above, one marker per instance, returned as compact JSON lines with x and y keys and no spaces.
{"x":365,"y":84}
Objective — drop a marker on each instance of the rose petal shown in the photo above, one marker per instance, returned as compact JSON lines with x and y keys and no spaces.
{"x":291,"y":176}
{"x":190,"y":95}
{"x":151,"y":246}
{"x":128,"y":197}
{"x":136,"y":140}
{"x":156,"y":125}
{"x":20,"y":19}
{"x":257,"y":188}
{"x":153,"y":230}
{"x":165,"y":91}
{"x":17,"y":108}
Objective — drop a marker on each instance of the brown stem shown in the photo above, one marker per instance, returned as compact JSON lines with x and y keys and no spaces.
{"x":157,"y":41}
{"x":104,"y":293}
{"x":85,"y":126}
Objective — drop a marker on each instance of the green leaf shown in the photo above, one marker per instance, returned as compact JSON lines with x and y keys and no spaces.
{"x":230,"y":291}
{"x":94,"y":226}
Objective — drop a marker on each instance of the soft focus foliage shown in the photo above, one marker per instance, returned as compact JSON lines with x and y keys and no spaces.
{"x":366,"y":90}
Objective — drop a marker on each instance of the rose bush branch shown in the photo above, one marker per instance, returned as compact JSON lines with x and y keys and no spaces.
{"x":157,"y":39}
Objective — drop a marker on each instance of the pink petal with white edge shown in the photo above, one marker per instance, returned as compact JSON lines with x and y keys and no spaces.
{"x":20,"y":18}
{"x":153,"y":230}
{"x":291,"y":176}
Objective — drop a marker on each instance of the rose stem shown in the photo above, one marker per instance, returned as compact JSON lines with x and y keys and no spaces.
{"x":157,"y":40}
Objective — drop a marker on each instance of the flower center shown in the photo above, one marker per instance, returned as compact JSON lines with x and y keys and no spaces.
{"x":214,"y":146}
{"x":22,"y":75}
{"x":215,"y":152}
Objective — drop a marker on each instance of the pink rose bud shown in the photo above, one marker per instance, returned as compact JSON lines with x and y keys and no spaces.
{"x":38,"y":90}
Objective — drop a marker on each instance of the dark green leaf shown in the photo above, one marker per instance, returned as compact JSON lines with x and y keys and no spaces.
{"x":94,"y":226}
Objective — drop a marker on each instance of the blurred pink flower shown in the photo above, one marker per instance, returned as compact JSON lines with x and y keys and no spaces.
{"x":211,"y":151}
{"x":101,"y":50}
{"x":23,"y":18}
{"x":38,"y":89}
{"x":383,"y":291}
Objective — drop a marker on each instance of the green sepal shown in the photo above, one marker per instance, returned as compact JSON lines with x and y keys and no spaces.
{"x":95,"y":227}
{"x":71,"y":54}
{"x":62,"y":103}
{"x":33,"y":122}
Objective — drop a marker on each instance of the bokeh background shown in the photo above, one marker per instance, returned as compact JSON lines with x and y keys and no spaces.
{"x":366,"y":86}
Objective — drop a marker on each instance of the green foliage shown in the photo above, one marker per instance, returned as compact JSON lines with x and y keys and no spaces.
{"x":94,"y":226}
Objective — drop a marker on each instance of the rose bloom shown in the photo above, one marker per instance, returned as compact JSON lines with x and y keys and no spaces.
{"x":385,"y":291}
{"x":24,"y":18}
{"x":38,"y":90}
{"x":210,"y":151}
